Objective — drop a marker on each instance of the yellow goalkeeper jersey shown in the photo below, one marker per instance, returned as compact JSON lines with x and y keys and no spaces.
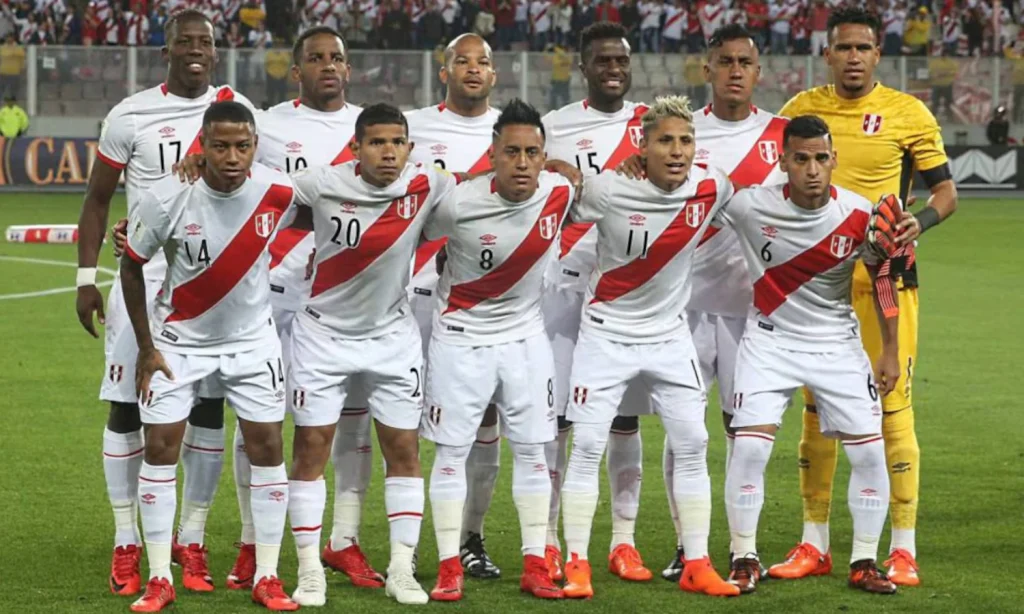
{"x":878,"y":139}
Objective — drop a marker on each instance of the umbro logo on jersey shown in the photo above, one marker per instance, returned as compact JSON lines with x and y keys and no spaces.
{"x":702,"y":154}
{"x":277,"y":496}
{"x":872,"y":123}
{"x":488,"y":239}
{"x":193,"y":229}
{"x":439,"y":149}
{"x":770,"y":232}
{"x":167,"y":132}
{"x":148,"y":498}
{"x":548,"y":226}
{"x":348,"y":207}
{"x":584,"y":144}
{"x":408,"y":205}
{"x":769,"y":151}
{"x":265,"y":224}
{"x":294,"y":147}
{"x":637,"y":220}
{"x":841,"y":246}
{"x":695,"y":214}
{"x":868,"y":492}
{"x":636,"y":134}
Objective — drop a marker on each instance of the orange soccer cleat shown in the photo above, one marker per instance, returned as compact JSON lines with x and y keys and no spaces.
{"x":536,"y":579}
{"x":353,"y":563}
{"x":159,"y":594}
{"x":269,"y":593}
{"x":553,"y":560}
{"x":124,"y":571}
{"x":902,"y":568}
{"x":449,"y":581}
{"x":865,"y":576}
{"x":700,"y":577}
{"x":195,"y":571}
{"x":625,"y":562}
{"x":242,"y":573}
{"x":802,"y":561}
{"x":577,"y":578}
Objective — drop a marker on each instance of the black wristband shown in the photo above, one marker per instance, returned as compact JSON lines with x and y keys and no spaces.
{"x":927,"y":217}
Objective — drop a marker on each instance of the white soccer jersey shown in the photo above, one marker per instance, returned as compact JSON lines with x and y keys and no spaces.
{"x":293,"y":137}
{"x":540,"y":12}
{"x":498,"y":252}
{"x":650,"y":14}
{"x":216,"y":295}
{"x":147,"y":133}
{"x":712,"y":17}
{"x":595,"y":142}
{"x":748,"y":151}
{"x":802,"y":263}
{"x":365,"y":237}
{"x":675,"y":20}
{"x":646,"y":240}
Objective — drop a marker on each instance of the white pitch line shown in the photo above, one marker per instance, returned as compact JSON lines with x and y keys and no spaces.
{"x":51,"y":291}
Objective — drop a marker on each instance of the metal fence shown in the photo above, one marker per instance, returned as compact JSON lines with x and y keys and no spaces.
{"x":87,"y":81}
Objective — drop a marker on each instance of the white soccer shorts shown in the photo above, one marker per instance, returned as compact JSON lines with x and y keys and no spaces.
{"x":717,"y":340}
{"x":253,"y":383}
{"x":603,"y":369}
{"x":423,"y":302}
{"x":463,"y":380}
{"x":119,"y":346}
{"x":842,"y":383}
{"x":324,"y":370}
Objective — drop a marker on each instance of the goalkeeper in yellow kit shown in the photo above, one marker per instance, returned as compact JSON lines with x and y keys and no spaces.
{"x":879,"y":135}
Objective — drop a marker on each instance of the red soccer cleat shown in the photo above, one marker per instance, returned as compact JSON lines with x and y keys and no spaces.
{"x":195,"y":571}
{"x":269,"y":593}
{"x":124,"y":571}
{"x":700,"y":577}
{"x":241,"y":575}
{"x":353,"y":563}
{"x":536,"y":579}
{"x":625,"y":562}
{"x":802,"y":561}
{"x":449,"y":581}
{"x":553,"y":560}
{"x":902,"y":568}
{"x":159,"y":594}
{"x":578,"y":578}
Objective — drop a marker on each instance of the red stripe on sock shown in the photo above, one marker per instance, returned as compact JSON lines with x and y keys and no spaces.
{"x":487,"y":442}
{"x":306,"y":529}
{"x":728,"y":436}
{"x":129,"y":455}
{"x":354,"y":412}
{"x":861,"y":442}
{"x":398,"y":515}
{"x":145,"y":479}
{"x":268,"y":485}
{"x":615,"y":432}
{"x":202,"y":449}
{"x":757,"y":435}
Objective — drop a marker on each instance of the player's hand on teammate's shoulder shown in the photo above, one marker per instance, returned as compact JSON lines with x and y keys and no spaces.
{"x":309,"y":265}
{"x":909,"y":227}
{"x":566,"y":170}
{"x":189,"y":168}
{"x":150,"y":361}
{"x":119,"y":233}
{"x":632,"y":167}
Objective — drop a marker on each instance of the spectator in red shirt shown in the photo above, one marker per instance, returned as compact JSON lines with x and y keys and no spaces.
{"x":801,"y":34}
{"x":91,"y":26}
{"x":819,"y":26}
{"x":607,"y":12}
{"x":505,"y":24}
{"x":757,"y":22}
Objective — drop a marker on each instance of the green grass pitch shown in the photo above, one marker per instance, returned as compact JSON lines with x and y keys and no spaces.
{"x":56,"y":530}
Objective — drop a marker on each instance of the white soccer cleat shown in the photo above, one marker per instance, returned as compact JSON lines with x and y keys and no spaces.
{"x":404,"y":588}
{"x":312,"y":588}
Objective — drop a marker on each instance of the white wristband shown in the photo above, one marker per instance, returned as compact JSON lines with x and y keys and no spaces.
{"x":86,"y":277}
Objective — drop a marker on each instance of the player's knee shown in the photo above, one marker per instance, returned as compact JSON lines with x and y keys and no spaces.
{"x":588,"y":446}
{"x":401,"y":453}
{"x":207,"y":414}
{"x":689,"y":443}
{"x":490,"y":416}
{"x":626,"y":424}
{"x":124,"y":418}
{"x":264,"y":447}
{"x":163,"y":443}
{"x":564,"y":424}
{"x":311,"y":449}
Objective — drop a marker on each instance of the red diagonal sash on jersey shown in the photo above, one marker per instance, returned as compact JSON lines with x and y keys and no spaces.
{"x":199,"y":294}
{"x":779,"y":281}
{"x":498,"y":280}
{"x":376,"y":240}
{"x":671,"y":20}
{"x":223,"y":94}
{"x":676,"y":236}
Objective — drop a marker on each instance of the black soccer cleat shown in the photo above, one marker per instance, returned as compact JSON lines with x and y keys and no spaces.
{"x":475,"y":561}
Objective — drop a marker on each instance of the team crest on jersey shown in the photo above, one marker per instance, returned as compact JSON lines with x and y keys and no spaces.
{"x":298,"y":398}
{"x":695,"y":214}
{"x":408,"y":205}
{"x":265,"y":224}
{"x":579,"y":395}
{"x":769,"y":151}
{"x":841,"y":246}
{"x":116,"y":373}
{"x":872,"y":123}
{"x":636,"y":134}
{"x":548,"y":226}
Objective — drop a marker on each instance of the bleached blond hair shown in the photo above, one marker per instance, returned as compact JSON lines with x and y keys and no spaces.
{"x":667,"y":106}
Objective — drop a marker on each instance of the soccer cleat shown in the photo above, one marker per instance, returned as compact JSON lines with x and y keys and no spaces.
{"x":312,"y":588}
{"x":125,"y":579}
{"x":269,"y":593}
{"x":449,"y":581}
{"x":674,"y":570}
{"x":802,"y":561}
{"x":475,"y":560}
{"x":353,"y":563}
{"x":698,"y":576}
{"x":553,"y":560}
{"x":577,"y":579}
{"x":864,"y":575}
{"x":625,"y":562}
{"x":241,"y":575}
{"x":402,"y":586}
{"x":902,"y":568}
{"x":536,"y":579}
{"x":745,"y":574}
{"x":159,"y":594}
{"x":195,"y":572}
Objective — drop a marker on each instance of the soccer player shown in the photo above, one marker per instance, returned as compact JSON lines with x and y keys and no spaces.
{"x":211,"y":319}
{"x":800,"y":241}
{"x":356,"y":328}
{"x":489,"y":339}
{"x":634,"y":329}
{"x":144,"y":135}
{"x":595,"y":134}
{"x":878,"y":131}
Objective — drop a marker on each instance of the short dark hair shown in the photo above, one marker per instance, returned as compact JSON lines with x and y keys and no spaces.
{"x":518,"y":113}
{"x":730,"y":32}
{"x":310,"y":33}
{"x":183,"y":16}
{"x":805,"y":127}
{"x":598,"y":31}
{"x":850,"y":14}
{"x":228,"y":111}
{"x":375,"y":115}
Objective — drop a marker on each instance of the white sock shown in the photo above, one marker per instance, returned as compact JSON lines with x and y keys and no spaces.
{"x":157,"y":501}
{"x":868,"y":495}
{"x":352,"y":455}
{"x":744,"y":489}
{"x":668,"y":460}
{"x":403,"y":502}
{"x":730,"y":441}
{"x":481,"y":473}
{"x":122,"y":458}
{"x":817,"y":535}
{"x":448,"y":496}
{"x":202,"y":457}
{"x":531,"y":492}
{"x":306,"y":512}
{"x":904,"y":539}
{"x":625,"y":471}
{"x":269,"y":501}
{"x":691,"y":484}
{"x":557,"y":459}
{"x":580,"y":490}
{"x":243,"y":477}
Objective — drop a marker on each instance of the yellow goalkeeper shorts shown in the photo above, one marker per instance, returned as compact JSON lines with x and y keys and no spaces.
{"x":871,"y":336}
